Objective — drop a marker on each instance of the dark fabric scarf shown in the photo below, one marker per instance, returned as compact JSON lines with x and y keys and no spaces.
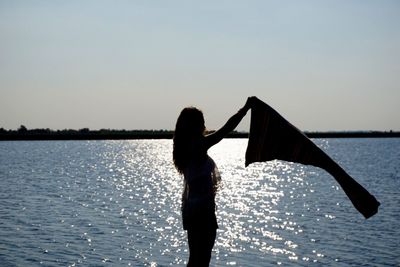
{"x":273,"y":137}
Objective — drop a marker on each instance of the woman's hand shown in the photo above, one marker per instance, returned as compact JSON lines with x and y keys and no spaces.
{"x":250,"y":102}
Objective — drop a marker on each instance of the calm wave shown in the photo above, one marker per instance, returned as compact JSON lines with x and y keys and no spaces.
{"x":117,"y":203}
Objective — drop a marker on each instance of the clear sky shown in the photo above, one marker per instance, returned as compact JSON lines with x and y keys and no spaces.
{"x":324,"y":65}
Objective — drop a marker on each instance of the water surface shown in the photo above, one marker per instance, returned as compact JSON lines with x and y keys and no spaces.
{"x":117,"y":203}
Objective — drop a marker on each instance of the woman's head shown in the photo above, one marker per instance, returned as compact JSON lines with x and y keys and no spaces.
{"x":189,"y":129}
{"x":190,"y":122}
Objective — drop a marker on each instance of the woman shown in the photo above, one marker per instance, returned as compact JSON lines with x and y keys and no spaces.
{"x":201,"y":178}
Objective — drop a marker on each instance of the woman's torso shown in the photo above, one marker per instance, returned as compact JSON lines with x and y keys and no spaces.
{"x":201,"y":180}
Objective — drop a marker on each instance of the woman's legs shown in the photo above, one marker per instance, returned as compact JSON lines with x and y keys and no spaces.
{"x":201,"y":242}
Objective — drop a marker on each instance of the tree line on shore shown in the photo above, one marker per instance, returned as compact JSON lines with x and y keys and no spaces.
{"x":23,"y":133}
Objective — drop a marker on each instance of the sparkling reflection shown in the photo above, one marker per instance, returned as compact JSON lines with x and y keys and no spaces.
{"x":117,"y":203}
{"x":257,"y":206}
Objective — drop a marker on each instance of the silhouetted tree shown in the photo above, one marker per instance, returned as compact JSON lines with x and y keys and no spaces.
{"x":22,"y":129}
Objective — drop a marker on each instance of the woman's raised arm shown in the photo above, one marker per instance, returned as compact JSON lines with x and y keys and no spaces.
{"x":229,"y":126}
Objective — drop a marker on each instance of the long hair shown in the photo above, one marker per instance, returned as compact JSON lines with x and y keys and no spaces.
{"x":189,"y":130}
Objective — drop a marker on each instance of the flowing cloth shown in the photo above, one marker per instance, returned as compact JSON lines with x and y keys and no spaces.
{"x":273,"y":137}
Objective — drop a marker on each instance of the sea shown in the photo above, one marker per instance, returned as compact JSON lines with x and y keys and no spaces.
{"x":117,"y":203}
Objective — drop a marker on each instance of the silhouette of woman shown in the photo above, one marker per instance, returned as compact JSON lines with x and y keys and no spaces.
{"x":201,"y":178}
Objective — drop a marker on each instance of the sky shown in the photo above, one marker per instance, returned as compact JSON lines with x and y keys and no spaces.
{"x":324,"y":65}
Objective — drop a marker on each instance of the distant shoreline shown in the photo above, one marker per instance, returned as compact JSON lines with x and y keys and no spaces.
{"x":23,"y":134}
